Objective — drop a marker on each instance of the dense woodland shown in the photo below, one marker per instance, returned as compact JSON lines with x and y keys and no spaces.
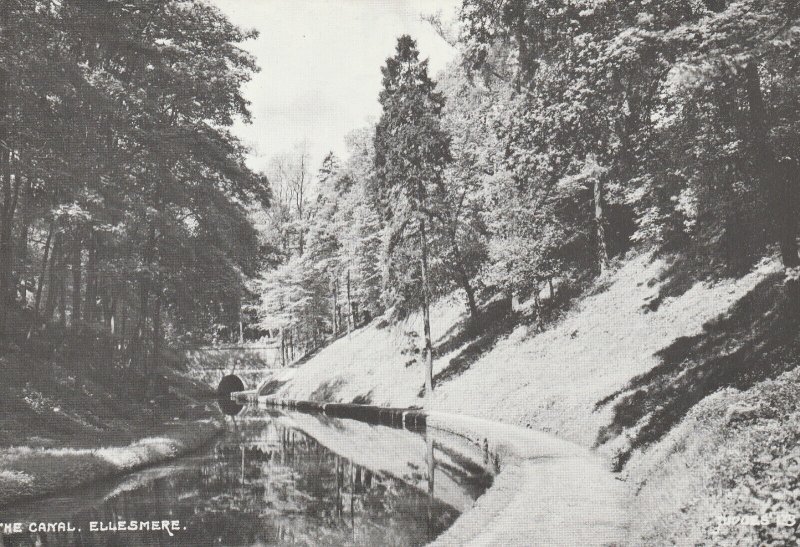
{"x":565,"y":135}
{"x":123,"y":191}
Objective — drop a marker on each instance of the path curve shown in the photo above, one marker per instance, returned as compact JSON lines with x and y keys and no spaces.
{"x":549,"y":491}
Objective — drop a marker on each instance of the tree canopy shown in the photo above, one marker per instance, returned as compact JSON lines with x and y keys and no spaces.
{"x":123,"y":187}
{"x":563,"y":136}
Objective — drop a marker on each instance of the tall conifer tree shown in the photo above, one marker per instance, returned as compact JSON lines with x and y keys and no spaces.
{"x":411,"y":153}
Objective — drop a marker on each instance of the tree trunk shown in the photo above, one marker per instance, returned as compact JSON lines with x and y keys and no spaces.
{"x":52,"y":284}
{"x":62,"y":288}
{"x":10,"y":197}
{"x":780,"y":182}
{"x":513,"y":300}
{"x":430,"y":461}
{"x":42,"y":273}
{"x":107,"y":305}
{"x":138,"y":346}
{"x":91,"y":278}
{"x":76,"y":280}
{"x":350,"y":319}
{"x":140,"y":352}
{"x":5,"y":179}
{"x":335,"y":310}
{"x":112,"y":316}
{"x":157,"y":337}
{"x":283,"y":347}
{"x":426,"y":314}
{"x":27,"y":210}
{"x":463,"y":280}
{"x":600,"y":223}
{"x":109,"y":318}
{"x":474,"y":313}
{"x":537,"y":306}
{"x":123,"y":328}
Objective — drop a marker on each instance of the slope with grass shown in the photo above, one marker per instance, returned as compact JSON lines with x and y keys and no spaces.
{"x":643,"y":368}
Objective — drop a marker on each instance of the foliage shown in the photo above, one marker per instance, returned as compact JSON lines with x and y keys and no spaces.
{"x":565,"y":134}
{"x":119,"y":156}
{"x":411,"y":152}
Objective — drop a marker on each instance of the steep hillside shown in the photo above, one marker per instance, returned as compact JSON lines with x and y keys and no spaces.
{"x":555,"y":380}
{"x":646,"y":368}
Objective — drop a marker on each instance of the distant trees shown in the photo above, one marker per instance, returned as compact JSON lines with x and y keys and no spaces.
{"x":568,"y":133}
{"x":331,"y":282}
{"x":363,"y":240}
{"x":564,"y":135}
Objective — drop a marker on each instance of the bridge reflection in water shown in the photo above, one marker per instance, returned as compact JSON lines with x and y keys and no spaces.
{"x":279,"y":478}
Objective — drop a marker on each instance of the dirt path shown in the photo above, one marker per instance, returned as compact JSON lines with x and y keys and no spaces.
{"x":549,"y":491}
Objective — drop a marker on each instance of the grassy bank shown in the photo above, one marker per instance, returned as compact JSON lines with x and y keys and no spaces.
{"x":656,"y":371}
{"x":67,"y":419}
{"x":35,"y":472}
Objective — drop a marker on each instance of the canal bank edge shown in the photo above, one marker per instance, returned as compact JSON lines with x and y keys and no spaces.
{"x":548,"y":492}
{"x":409,"y":418}
{"x":32,"y":473}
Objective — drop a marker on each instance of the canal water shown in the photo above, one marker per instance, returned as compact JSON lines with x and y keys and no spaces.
{"x":276,"y":478}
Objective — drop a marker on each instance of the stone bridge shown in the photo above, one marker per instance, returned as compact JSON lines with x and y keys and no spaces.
{"x":250,"y":363}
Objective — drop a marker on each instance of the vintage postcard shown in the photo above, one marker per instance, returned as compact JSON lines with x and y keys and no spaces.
{"x":399,"y":272}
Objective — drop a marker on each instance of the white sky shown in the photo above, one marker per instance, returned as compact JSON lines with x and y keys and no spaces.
{"x":320,"y":66}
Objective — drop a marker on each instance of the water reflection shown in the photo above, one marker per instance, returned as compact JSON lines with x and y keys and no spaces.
{"x":228,"y":406}
{"x":270,"y":483}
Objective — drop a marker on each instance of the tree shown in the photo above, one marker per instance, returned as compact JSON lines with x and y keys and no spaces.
{"x":411,"y":153}
{"x":524,"y":58}
{"x":289,"y":174}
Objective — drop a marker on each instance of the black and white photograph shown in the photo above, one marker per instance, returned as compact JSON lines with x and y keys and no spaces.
{"x":399,"y":273}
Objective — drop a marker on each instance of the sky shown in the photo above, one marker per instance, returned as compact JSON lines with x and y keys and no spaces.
{"x":320,"y":67}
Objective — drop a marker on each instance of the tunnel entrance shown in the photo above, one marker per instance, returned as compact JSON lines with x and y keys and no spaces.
{"x":229,"y":384}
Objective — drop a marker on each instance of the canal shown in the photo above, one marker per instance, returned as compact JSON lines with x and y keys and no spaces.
{"x":275,"y":478}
